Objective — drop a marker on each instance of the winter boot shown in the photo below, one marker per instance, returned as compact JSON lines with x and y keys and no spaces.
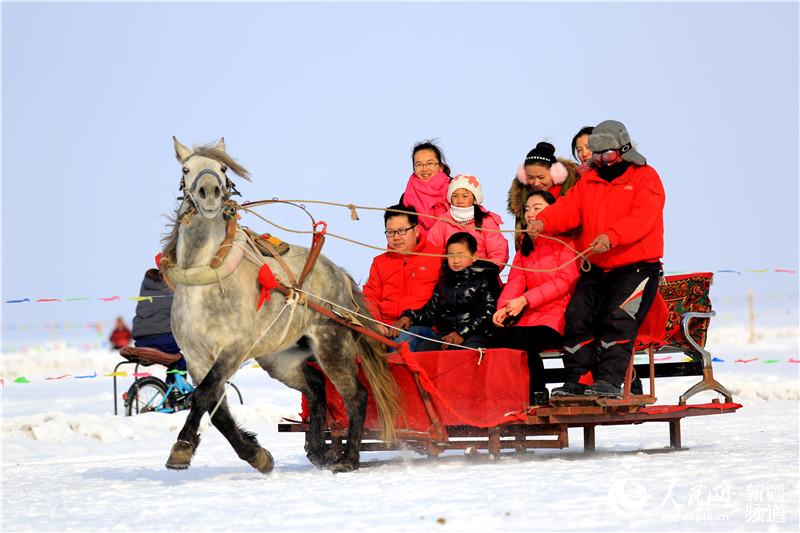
{"x":636,"y":386}
{"x":540,"y":397}
{"x":570,"y":388}
{"x":603,"y":388}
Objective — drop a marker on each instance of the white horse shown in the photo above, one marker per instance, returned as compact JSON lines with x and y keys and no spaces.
{"x":217,"y":326}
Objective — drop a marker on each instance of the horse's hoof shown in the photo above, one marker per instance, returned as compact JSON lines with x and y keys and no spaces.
{"x":180,"y":457}
{"x":323,"y":459}
{"x":262,"y":461}
{"x":344,"y":466}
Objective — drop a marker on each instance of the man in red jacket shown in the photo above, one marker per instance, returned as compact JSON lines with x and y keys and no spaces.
{"x":619,"y":204}
{"x":398,"y":281}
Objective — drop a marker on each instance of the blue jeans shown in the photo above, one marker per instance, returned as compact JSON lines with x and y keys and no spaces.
{"x":473,"y":341}
{"x":166,"y":343}
{"x":413,"y":341}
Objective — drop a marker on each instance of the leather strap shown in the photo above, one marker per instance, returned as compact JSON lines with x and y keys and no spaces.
{"x":281,"y":262}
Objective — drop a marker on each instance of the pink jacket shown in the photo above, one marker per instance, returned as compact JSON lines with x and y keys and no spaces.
{"x":547,"y":293}
{"x":492,"y":245}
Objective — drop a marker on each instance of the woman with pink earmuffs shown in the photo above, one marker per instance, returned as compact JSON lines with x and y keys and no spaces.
{"x":541,"y":171}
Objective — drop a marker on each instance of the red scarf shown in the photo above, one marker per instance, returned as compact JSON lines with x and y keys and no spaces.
{"x":425,"y":195}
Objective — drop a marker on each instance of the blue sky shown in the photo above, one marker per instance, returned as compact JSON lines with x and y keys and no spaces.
{"x":324,"y":101}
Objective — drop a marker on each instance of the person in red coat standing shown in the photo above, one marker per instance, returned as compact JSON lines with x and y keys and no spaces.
{"x":120,"y":335}
{"x":536,"y":298}
{"x":619,"y":203}
{"x":397,"y":280}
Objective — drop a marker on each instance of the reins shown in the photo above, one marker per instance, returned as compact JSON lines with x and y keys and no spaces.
{"x":246,"y":206}
{"x":292,"y":288}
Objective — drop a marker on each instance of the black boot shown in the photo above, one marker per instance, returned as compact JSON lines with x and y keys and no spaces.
{"x":636,"y":386}
{"x":603,"y":388}
{"x":570,"y":388}
{"x":540,"y":397}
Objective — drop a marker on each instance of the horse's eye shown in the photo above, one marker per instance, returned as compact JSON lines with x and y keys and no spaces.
{"x":185,"y":170}
{"x":224,"y":168}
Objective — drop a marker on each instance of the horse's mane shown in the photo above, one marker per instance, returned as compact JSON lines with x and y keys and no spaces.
{"x":170,"y":239}
{"x":218,"y":155}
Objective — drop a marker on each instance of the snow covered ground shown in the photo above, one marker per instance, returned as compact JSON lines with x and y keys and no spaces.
{"x":69,"y":464}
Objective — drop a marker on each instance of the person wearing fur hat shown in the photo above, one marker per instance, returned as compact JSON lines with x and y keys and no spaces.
{"x":465,"y":212}
{"x":619,"y":203}
{"x":426,"y":190}
{"x":541,"y":171}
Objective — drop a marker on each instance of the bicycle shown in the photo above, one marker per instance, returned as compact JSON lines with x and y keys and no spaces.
{"x":152,"y":394}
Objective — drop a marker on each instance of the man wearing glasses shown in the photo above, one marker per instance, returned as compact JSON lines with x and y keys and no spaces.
{"x":397,"y":280}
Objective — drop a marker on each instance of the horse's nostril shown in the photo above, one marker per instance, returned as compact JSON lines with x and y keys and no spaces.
{"x":203,"y":193}
{"x":217,"y":192}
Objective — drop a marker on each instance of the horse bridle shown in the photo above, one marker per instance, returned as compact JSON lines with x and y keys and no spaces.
{"x":188,"y":195}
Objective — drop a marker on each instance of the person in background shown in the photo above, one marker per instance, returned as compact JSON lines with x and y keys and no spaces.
{"x":465,"y":212}
{"x":397,"y":280}
{"x":460,"y":309}
{"x":120,"y":335}
{"x":620,"y":204}
{"x":581,"y":151}
{"x":541,"y":171}
{"x":152,"y":326}
{"x":535,"y":299}
{"x":426,"y":190}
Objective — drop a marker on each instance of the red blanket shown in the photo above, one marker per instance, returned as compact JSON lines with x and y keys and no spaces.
{"x":464,"y":389}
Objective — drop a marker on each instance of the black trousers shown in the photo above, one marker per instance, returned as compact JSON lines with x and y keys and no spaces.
{"x":531,"y":339}
{"x":603,"y":318}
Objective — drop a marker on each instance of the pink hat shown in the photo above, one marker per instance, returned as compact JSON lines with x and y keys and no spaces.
{"x":470,"y":183}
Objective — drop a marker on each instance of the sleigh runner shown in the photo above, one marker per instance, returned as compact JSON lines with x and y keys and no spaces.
{"x":466,"y":400}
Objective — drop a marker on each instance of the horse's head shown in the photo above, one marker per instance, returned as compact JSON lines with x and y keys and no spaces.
{"x":204,"y":183}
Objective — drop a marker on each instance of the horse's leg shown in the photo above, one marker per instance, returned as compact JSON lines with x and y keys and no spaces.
{"x":317,"y":452}
{"x":336,"y":354}
{"x":205,"y":399}
{"x":244,"y":442}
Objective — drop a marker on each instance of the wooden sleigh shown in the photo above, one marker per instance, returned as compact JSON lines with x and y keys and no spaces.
{"x":465,"y":400}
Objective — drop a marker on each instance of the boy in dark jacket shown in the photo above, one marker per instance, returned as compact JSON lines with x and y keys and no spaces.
{"x":461,"y":307}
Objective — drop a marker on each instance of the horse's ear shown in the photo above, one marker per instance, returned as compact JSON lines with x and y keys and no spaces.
{"x":181,"y":152}
{"x":220,"y":144}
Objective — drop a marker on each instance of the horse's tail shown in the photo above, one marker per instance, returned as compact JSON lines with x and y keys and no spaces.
{"x":382,"y":383}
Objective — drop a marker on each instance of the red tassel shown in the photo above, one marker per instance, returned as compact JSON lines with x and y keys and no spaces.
{"x":158,"y":259}
{"x":268,"y":282}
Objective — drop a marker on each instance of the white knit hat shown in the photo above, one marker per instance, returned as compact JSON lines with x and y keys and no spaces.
{"x":470,"y":183}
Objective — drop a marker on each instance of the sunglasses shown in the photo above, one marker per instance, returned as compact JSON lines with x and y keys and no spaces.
{"x":608,"y":158}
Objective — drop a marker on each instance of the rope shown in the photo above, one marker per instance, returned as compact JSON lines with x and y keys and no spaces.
{"x":224,"y":392}
{"x":583,"y":256}
{"x":371,"y":319}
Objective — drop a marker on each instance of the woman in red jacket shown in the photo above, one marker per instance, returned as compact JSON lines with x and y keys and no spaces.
{"x":619,"y":203}
{"x":537,"y":298}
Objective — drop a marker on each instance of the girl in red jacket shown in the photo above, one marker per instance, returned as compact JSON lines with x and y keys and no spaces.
{"x":537,"y":299}
{"x":619,"y":203}
{"x":465,"y":213}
